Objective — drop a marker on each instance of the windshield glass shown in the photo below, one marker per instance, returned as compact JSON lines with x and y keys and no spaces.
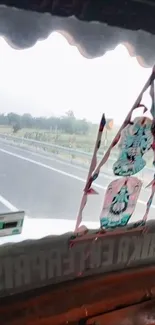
{"x":52,"y":99}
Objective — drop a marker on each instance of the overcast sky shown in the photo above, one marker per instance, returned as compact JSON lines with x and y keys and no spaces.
{"x":53,"y":77}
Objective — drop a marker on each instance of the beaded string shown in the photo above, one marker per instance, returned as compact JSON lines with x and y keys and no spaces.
{"x":152,"y":183}
{"x":87,"y":189}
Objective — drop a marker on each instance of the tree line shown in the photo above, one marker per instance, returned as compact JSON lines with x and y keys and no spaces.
{"x":65,"y":124}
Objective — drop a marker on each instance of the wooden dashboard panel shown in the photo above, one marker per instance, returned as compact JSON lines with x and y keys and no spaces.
{"x":47,"y":281}
{"x":73,"y":301}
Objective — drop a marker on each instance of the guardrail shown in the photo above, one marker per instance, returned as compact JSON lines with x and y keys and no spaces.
{"x":45,"y":145}
{"x":56,"y":149}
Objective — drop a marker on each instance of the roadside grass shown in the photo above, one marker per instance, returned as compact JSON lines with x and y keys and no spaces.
{"x":80,"y":142}
{"x":76,"y":141}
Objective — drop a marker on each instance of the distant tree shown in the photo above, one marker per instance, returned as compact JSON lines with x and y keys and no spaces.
{"x":27,"y":120}
{"x":66,"y":124}
{"x":82,"y":126}
{"x":3,"y":119}
{"x":13,"y":119}
{"x":70,"y":113}
{"x":16,"y":127}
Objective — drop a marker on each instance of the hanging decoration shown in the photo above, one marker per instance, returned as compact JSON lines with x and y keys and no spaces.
{"x":88,"y":189}
{"x":120,"y":201}
{"x":152,"y":184}
{"x":135,"y":138}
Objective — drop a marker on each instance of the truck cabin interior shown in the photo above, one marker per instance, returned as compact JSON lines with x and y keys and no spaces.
{"x":58,"y":279}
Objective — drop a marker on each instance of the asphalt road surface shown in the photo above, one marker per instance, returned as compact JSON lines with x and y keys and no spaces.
{"x":47,"y":188}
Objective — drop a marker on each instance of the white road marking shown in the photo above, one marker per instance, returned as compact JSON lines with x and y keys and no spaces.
{"x":59,"y":171}
{"x":62,"y":162}
{"x":49,"y":167}
{"x":10,"y":206}
{"x":102,"y":174}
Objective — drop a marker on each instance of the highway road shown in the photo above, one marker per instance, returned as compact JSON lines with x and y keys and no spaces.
{"x":47,"y":188}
